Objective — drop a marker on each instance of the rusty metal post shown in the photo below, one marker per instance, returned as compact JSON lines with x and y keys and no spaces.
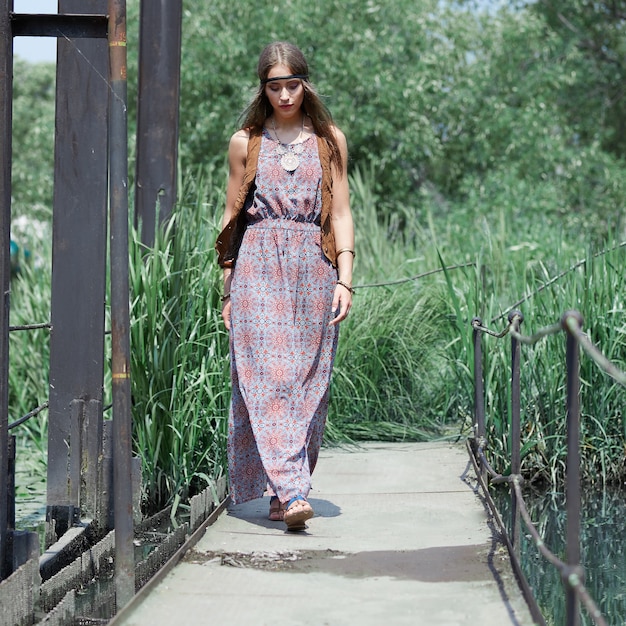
{"x":120,"y":315}
{"x":10,"y":549}
{"x":92,"y":460}
{"x":157,"y":114}
{"x":569,"y":320}
{"x":515,"y":318}
{"x":479,"y":391}
{"x":79,"y":246}
{"x":6,"y":109}
{"x":11,"y":484}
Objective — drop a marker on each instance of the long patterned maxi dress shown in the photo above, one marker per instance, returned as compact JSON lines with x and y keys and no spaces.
{"x":281,"y":346}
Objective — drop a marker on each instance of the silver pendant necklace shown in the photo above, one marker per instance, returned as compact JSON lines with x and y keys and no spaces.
{"x":289,"y":152}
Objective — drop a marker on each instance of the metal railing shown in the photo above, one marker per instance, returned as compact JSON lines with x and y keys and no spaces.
{"x":571,"y":570}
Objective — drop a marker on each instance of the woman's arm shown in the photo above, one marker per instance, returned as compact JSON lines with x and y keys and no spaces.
{"x":237,"y":153}
{"x":343,"y":230}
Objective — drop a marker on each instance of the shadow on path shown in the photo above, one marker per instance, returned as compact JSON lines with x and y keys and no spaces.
{"x":256,"y":511}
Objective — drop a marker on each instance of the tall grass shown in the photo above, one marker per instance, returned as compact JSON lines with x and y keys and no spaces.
{"x":382,"y":384}
{"x":29,"y":354}
{"x":404,"y":364}
{"x":515,"y":256}
{"x":391,"y":376}
{"x":29,"y":350}
{"x":596,"y":289}
{"x":179,"y":356}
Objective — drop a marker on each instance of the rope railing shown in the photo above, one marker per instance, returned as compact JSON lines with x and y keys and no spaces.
{"x":592,"y":351}
{"x":571,"y":570}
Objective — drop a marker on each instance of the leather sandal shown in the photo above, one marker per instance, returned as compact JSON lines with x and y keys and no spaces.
{"x":297,"y":511}
{"x":277,"y":510}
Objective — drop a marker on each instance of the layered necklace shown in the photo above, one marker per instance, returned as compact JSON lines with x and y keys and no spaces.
{"x":289,"y":152}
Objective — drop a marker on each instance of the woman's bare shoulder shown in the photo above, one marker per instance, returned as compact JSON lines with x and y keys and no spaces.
{"x":339,"y":136}
{"x":240,"y":137}
{"x":238,"y":145}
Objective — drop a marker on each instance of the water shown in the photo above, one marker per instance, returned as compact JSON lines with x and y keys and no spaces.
{"x":603,"y":544}
{"x":95,"y":600}
{"x":30,"y":490}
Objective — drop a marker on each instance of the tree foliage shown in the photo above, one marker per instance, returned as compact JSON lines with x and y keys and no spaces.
{"x":449,"y":105}
{"x":440,"y":99}
{"x":592,"y":34}
{"x":33,"y":138}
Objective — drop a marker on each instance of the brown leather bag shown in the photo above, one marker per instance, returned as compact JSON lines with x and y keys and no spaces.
{"x":229,"y":240}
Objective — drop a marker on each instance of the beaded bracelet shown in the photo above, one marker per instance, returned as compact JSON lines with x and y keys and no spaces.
{"x":348,"y":287}
{"x":345,"y":250}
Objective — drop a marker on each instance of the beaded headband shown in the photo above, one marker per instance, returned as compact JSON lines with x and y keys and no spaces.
{"x":271,"y":80}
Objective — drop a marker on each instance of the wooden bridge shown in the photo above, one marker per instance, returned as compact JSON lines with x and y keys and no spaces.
{"x":400,"y":536}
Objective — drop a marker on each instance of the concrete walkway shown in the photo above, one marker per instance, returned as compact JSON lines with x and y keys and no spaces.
{"x":399,"y":537}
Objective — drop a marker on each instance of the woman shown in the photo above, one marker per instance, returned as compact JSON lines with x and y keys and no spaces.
{"x":287,"y":248}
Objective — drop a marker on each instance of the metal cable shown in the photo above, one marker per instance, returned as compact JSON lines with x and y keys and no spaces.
{"x":556,"y":278}
{"x":26,"y":417}
{"x":399,"y":281}
{"x":30,"y":326}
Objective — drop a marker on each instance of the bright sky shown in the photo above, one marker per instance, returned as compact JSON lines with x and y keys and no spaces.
{"x":35,"y":49}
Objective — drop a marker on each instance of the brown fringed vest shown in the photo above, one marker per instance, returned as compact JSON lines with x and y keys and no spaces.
{"x":229,"y":240}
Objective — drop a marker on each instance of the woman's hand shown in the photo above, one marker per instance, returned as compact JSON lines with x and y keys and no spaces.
{"x":226,"y":313}
{"x":342,"y":303}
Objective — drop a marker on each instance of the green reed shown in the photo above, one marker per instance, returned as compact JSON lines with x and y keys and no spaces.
{"x":380,"y":386}
{"x":395,"y":336}
{"x":513,"y":256}
{"x":29,"y":354}
{"x":179,"y":356}
{"x":596,"y":289}
{"x":404,"y":360}
{"x":29,"y":350}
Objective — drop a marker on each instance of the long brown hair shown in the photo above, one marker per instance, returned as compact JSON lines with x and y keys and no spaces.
{"x":259,"y":109}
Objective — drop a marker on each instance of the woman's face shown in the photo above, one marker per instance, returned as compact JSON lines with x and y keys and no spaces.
{"x":285,"y":95}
